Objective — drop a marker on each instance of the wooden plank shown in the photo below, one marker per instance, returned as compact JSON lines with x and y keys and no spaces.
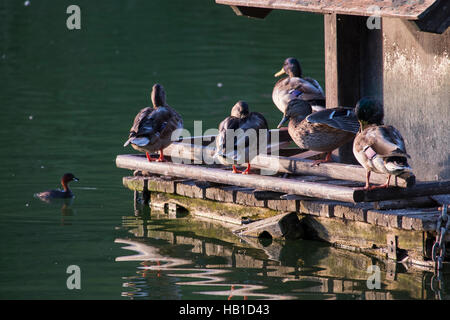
{"x":284,"y":205}
{"x":289,"y":165}
{"x":292,"y":186}
{"x":189,"y":189}
{"x":419,"y":202}
{"x":134,"y":183}
{"x":423,"y":189}
{"x":388,"y":8}
{"x":222,"y":194}
{"x":283,"y":225}
{"x":247,"y":197}
{"x":331,"y":74}
{"x":310,"y":189}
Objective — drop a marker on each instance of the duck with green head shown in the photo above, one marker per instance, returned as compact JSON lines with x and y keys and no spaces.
{"x":321,"y":131}
{"x":296,"y":86}
{"x":239,"y":136}
{"x":153,"y":126}
{"x":378,"y":148}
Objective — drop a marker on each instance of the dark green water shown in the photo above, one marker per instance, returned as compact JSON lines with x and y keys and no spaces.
{"x":67,"y":100}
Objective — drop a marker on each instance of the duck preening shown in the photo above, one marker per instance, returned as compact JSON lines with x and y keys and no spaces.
{"x":296,"y":86}
{"x":153,"y":126}
{"x":240,"y":135}
{"x":321,"y":131}
{"x":57,"y":193}
{"x":378,"y":148}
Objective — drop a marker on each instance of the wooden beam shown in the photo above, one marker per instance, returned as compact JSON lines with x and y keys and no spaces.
{"x":331,"y":75}
{"x":251,"y":12}
{"x":423,"y":189}
{"x":436,"y":18}
{"x":282,"y":185}
{"x":388,"y":8}
{"x":292,"y":165}
{"x":310,"y":189}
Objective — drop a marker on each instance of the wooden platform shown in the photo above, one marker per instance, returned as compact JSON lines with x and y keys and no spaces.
{"x":399,"y":222}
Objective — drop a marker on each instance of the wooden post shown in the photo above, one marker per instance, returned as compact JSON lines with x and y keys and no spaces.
{"x":331,"y":75}
{"x":353,"y":65}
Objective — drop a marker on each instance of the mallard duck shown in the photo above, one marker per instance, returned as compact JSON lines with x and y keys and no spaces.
{"x":321,"y":131}
{"x":153,"y":126}
{"x":239,"y":136}
{"x":296,"y":86}
{"x":57,"y":193}
{"x":377,"y":147}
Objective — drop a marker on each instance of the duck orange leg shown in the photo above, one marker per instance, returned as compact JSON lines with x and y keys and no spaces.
{"x":385,"y":185}
{"x":150,"y":159}
{"x":236,"y":170}
{"x":327,"y":159}
{"x":247,"y":171}
{"x":160,"y":159}
{"x":367,"y":186}
{"x":161,"y":156}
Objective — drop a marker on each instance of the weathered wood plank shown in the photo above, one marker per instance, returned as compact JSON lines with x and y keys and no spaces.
{"x":247,"y":197}
{"x":423,"y":189}
{"x":134,"y":183}
{"x":287,"y":165}
{"x":284,"y":205}
{"x":419,"y":202}
{"x":310,"y":189}
{"x":388,"y":8}
{"x":189,"y":189}
{"x":282,"y":225}
{"x":222,"y":194}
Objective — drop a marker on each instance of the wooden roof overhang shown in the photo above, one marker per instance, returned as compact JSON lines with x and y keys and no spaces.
{"x":429,"y":15}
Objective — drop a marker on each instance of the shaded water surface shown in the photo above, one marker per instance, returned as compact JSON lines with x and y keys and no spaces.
{"x":67,"y":100}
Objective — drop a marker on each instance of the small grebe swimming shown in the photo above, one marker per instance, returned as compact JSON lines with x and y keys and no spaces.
{"x":59,"y":194}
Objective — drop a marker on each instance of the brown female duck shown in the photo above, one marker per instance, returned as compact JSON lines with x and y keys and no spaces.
{"x":153,"y":126}
{"x":377,"y":147}
{"x":321,"y":131}
{"x":296,"y":86}
{"x":239,"y":136}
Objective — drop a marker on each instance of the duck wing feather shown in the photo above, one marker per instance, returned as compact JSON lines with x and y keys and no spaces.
{"x":338,"y":118}
{"x":385,"y":140}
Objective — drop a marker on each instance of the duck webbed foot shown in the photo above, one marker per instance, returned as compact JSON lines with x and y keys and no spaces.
{"x":236,"y":170}
{"x":160,"y":159}
{"x":247,"y":171}
{"x":368,"y":187}
{"x":161,"y":156}
{"x":150,"y":159}
{"x":327,"y":159}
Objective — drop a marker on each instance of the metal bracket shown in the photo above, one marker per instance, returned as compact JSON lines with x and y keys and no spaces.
{"x":392,"y":243}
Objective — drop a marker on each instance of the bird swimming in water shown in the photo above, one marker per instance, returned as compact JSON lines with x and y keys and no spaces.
{"x":321,"y":131}
{"x":65,"y":193}
{"x":378,"y":148}
{"x":296,"y":86}
{"x":153,"y":126}
{"x":239,"y":136}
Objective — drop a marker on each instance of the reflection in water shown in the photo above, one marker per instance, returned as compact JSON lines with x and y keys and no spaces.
{"x":184,"y":259}
{"x":208,"y":277}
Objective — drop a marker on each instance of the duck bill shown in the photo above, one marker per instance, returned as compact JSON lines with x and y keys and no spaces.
{"x":283,"y":121}
{"x":279,"y":73}
{"x":76,"y":179}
